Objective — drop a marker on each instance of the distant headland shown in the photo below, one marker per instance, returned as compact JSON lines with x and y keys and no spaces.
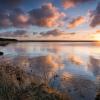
{"x":6,"y":41}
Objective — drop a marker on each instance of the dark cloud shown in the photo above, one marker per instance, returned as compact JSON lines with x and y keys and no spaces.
{"x":76,"y":22}
{"x":19,"y":33}
{"x":95,"y":16}
{"x":25,"y":33}
{"x":54,"y":32}
{"x":72,"y":3}
{"x":94,"y":62}
{"x":73,"y":33}
{"x":35,"y":33}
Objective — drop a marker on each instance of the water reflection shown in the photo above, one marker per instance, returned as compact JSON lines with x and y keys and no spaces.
{"x":68,"y":67}
{"x":94,"y":65}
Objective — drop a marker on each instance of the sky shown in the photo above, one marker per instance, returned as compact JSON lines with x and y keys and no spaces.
{"x":50,"y":19}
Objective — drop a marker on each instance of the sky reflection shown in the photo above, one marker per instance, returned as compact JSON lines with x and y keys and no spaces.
{"x":58,"y":64}
{"x":76,"y":57}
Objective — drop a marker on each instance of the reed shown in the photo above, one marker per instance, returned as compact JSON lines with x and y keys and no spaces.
{"x":15,"y":84}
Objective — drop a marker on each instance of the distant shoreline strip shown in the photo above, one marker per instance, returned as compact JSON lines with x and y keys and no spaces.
{"x":52,"y":41}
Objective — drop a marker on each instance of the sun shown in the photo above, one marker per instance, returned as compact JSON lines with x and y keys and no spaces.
{"x":96,"y":37}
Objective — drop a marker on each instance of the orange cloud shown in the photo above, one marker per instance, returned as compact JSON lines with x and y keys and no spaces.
{"x":67,"y":4}
{"x":76,"y":60}
{"x":72,"y":3}
{"x":98,"y":31}
{"x":76,"y":22}
{"x":45,"y":16}
{"x":48,"y":16}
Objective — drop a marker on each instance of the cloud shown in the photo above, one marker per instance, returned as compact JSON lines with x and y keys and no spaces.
{"x":98,"y":31}
{"x":19,"y":33}
{"x":25,"y":33}
{"x":75,"y":59}
{"x":76,"y":22}
{"x":94,"y":62}
{"x":41,"y":66}
{"x":4,"y":19}
{"x":19,"y":18}
{"x":47,"y":15}
{"x":95,"y":16}
{"x":54,"y":32}
{"x":13,"y":18}
{"x":68,"y":3}
{"x":73,"y":3}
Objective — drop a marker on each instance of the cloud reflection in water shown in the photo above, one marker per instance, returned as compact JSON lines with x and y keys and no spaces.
{"x":68,"y":68}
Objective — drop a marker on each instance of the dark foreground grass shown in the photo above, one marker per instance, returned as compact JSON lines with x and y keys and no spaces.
{"x":97,"y":96}
{"x":98,"y":88}
{"x":15,"y":84}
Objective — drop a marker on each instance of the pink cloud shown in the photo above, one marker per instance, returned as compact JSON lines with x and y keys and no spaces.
{"x":47,"y":16}
{"x":73,"y":3}
{"x":76,"y":22}
{"x":19,"y":18}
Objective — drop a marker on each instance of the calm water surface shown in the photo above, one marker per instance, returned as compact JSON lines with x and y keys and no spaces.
{"x":68,"y":67}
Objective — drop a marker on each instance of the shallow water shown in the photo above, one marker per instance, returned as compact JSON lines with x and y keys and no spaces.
{"x":68,"y":67}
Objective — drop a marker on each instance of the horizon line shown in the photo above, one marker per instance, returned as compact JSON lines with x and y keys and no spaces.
{"x":57,"y":41}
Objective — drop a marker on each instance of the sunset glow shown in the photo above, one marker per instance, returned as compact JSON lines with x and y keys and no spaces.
{"x":50,"y":19}
{"x":96,"y":37}
{"x":49,"y":49}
